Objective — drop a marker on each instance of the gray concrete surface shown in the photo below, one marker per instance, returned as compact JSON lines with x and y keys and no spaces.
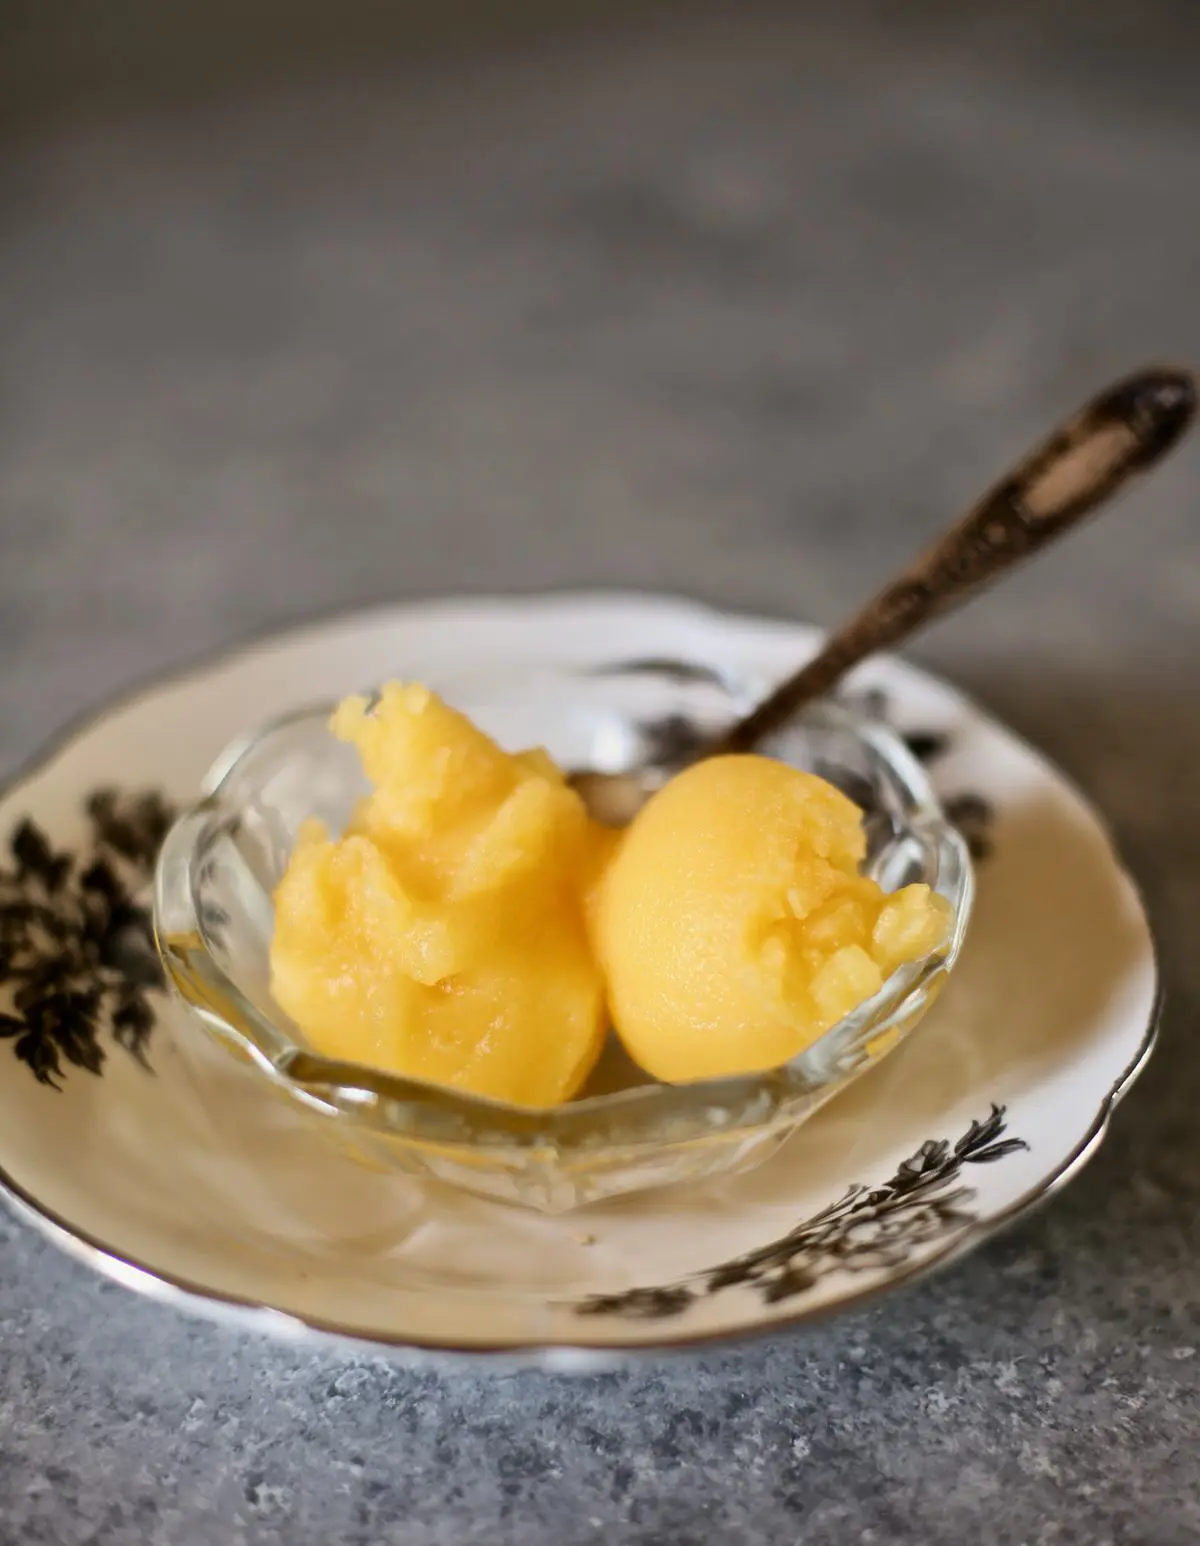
{"x":735,"y":303}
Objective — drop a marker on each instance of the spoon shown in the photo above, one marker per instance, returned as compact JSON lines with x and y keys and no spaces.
{"x":1124,"y":431}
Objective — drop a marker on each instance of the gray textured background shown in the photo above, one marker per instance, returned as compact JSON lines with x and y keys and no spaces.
{"x":307,"y":306}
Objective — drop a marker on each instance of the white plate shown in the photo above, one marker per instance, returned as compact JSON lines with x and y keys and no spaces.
{"x":1048,"y":1017}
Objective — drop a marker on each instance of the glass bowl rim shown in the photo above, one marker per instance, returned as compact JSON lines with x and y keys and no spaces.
{"x":373,"y":1099}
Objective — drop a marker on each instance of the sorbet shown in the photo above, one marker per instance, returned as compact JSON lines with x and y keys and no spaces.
{"x":442,"y":935}
{"x":473,"y":927}
{"x":733,"y":926}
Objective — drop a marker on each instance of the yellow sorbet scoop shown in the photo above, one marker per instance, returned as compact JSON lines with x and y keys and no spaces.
{"x":733,"y":926}
{"x":442,"y":936}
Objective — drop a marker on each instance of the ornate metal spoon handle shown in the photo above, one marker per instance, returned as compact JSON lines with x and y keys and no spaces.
{"x":1124,"y":431}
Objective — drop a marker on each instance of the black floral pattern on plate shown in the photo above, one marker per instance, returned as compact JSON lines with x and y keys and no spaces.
{"x":870,"y":1228}
{"x":77,"y":956}
{"x":969,"y":812}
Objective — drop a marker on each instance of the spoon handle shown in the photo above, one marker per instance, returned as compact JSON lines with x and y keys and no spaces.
{"x":1124,"y":431}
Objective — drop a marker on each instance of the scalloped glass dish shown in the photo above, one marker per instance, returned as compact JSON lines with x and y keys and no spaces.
{"x":214,"y":918}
